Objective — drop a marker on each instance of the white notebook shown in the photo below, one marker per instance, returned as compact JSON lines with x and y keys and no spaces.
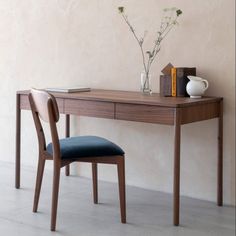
{"x":68,"y":89}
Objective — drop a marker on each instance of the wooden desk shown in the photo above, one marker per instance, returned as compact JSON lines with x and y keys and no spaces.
{"x":134,"y":106}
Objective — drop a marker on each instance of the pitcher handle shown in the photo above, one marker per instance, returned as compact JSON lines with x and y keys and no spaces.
{"x":206,"y":84}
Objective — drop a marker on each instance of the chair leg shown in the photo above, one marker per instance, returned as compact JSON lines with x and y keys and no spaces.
{"x":95,"y":182}
{"x":121,"y":180}
{"x":39,"y":178}
{"x":55,"y":190}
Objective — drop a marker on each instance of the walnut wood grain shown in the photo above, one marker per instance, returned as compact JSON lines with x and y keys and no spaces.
{"x":220,"y":157}
{"x":132,"y":106}
{"x":144,"y":113}
{"x":89,"y":108}
{"x":25,"y":105}
{"x":42,"y":102}
{"x":67,"y":134}
{"x":176,"y":180}
{"x":199,"y":112}
{"x":18,"y":142}
{"x":130,"y":97}
{"x":24,"y":102}
{"x":135,"y":106}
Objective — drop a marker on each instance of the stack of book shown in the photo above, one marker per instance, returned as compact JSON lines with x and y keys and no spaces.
{"x":174,"y":80}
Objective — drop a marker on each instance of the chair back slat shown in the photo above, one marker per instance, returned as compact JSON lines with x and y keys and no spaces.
{"x":44,"y":106}
{"x":41,"y":99}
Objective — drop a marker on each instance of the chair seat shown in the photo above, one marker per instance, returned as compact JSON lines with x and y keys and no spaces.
{"x":86,"y":146}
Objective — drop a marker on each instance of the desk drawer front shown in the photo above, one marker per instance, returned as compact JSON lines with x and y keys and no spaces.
{"x":200,"y":112}
{"x":89,"y":108}
{"x":25,"y":105}
{"x":145,"y":113}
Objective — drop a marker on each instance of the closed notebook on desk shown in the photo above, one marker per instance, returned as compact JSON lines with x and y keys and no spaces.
{"x":68,"y":89}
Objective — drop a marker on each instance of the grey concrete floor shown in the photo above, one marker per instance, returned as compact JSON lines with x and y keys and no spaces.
{"x":148,"y":212}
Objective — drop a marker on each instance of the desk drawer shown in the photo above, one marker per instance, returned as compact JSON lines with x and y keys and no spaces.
{"x":89,"y":108}
{"x":25,"y":105}
{"x":200,"y":112}
{"x":145,"y":113}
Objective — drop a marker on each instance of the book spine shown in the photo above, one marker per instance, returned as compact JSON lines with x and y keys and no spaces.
{"x":180,"y":81}
{"x":173,"y":81}
{"x":165,"y":85}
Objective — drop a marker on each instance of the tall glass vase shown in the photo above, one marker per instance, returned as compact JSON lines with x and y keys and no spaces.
{"x":146,"y":83}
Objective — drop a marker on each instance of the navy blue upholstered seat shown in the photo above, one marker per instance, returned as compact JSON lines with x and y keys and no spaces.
{"x":86,"y":146}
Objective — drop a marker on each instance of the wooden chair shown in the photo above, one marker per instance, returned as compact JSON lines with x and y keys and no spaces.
{"x":65,"y":151}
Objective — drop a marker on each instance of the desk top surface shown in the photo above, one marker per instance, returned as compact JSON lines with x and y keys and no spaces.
{"x":131,"y":97}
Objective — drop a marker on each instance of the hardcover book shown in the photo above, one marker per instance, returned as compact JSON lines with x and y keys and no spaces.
{"x":174,"y":83}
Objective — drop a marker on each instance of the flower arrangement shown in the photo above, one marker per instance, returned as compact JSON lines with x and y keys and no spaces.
{"x":169,"y":20}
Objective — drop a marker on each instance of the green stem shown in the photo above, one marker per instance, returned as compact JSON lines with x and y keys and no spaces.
{"x":136,"y":37}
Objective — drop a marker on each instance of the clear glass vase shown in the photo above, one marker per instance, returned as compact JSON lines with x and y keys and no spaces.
{"x":146,"y":83}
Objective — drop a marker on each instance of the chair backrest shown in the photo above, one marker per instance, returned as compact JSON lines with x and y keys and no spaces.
{"x":44,"y":106}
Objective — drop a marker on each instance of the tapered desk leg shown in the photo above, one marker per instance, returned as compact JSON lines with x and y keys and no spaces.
{"x":176,"y":187}
{"x":67,"y":134}
{"x":220,"y":158}
{"x":18,"y":140}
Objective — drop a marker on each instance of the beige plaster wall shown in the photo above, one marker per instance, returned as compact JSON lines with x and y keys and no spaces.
{"x":69,"y":42}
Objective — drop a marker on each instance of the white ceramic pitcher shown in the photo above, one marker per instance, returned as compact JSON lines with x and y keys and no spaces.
{"x":196,"y":86}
